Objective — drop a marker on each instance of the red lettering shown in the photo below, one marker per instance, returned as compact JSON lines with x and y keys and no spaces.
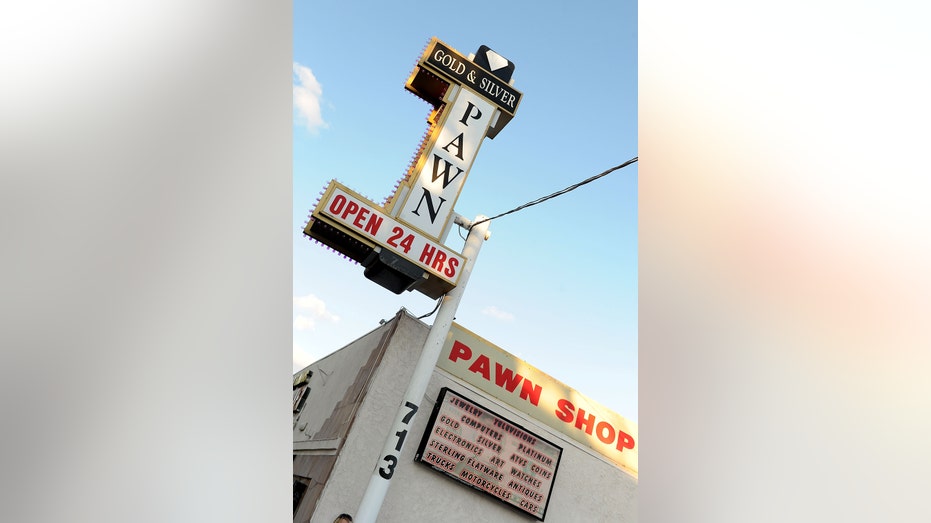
{"x":337,"y":204}
{"x":604,"y":430}
{"x":374,"y":223}
{"x":351,"y":208}
{"x":600,"y":433}
{"x":427,"y":255}
{"x":481,"y":366}
{"x":439,"y":260}
{"x":392,"y":241}
{"x":407,"y":243}
{"x":530,"y":392}
{"x":505,"y":377}
{"x":564,"y":410}
{"x":451,"y":265}
{"x":624,"y":440}
{"x":360,"y":218}
{"x":460,"y":351}
{"x":585,"y":421}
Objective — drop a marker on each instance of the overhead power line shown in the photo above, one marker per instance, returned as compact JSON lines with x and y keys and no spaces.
{"x":557,"y":193}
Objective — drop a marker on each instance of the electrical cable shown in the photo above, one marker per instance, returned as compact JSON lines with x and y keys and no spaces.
{"x":438,"y":302}
{"x":532,"y":203}
{"x":557,"y":193}
{"x":459,"y":230}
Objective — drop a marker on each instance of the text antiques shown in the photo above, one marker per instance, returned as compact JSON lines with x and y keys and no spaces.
{"x":472,"y":99}
{"x":466,"y":441}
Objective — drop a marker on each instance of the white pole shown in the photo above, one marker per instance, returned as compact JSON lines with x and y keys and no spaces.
{"x":381,"y":477}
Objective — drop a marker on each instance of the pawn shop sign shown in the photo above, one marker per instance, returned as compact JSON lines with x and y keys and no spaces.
{"x":401,"y":244}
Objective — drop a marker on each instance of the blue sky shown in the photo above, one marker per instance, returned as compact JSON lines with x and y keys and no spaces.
{"x":556,"y":284}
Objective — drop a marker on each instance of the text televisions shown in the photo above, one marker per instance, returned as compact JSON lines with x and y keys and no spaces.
{"x":476,"y":446}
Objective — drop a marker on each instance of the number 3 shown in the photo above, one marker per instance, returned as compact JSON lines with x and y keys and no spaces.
{"x":392,"y":462}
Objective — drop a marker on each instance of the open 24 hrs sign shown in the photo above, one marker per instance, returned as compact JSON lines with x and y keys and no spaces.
{"x":401,"y":245}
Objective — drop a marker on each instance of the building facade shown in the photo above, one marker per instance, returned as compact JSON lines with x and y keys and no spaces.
{"x":494,"y":439}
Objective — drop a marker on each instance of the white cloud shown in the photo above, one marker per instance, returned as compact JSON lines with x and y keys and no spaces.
{"x":303,"y":323}
{"x":317,"y":310}
{"x":497,"y":313}
{"x":307,"y":94}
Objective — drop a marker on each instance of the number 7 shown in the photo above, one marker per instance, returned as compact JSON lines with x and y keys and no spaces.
{"x":407,"y":418}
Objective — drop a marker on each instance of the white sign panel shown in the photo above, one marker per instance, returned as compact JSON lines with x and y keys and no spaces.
{"x":530,"y":390}
{"x":444,"y":168}
{"x":368,"y":221}
{"x":487,"y":452}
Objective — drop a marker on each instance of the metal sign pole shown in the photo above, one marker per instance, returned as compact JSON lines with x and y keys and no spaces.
{"x":389,"y":458}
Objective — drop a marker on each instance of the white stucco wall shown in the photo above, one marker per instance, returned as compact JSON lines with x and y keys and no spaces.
{"x":587,"y":487}
{"x":346,"y":486}
{"x":332,"y":376}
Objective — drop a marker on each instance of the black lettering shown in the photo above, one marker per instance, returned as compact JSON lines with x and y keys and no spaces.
{"x":458,"y":141}
{"x":478,"y":114}
{"x":387,"y":472}
{"x":436,"y":170}
{"x":433,"y":211}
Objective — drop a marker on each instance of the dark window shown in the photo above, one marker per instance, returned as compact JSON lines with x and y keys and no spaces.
{"x":301,"y":379}
{"x":299,"y":488}
{"x":300,"y":397}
